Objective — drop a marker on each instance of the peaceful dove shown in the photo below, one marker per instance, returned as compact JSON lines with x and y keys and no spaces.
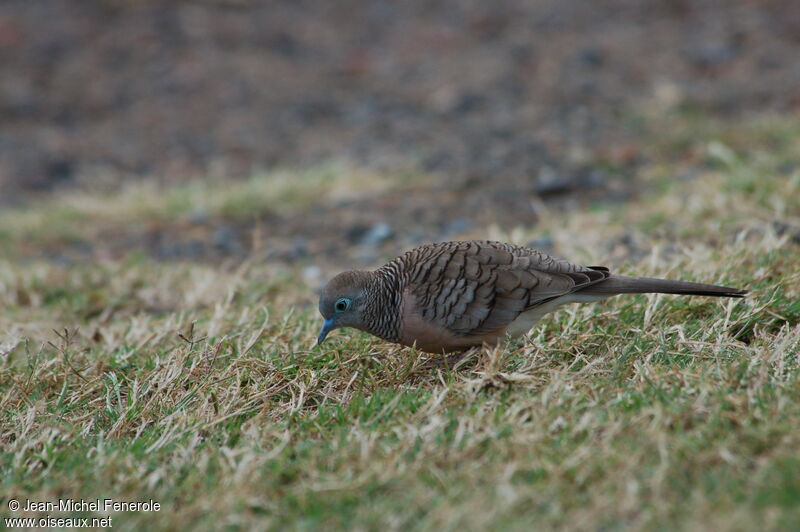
{"x":451,"y":296}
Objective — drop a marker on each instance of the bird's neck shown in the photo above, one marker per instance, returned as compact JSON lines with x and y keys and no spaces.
{"x":382,"y":315}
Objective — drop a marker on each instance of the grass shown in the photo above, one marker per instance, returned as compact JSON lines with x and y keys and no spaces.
{"x":196,"y":385}
{"x":84,"y":212}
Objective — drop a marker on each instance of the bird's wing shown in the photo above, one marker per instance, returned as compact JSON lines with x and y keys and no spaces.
{"x":478,"y":287}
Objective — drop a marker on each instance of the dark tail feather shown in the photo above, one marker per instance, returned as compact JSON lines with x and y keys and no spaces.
{"x":622,"y":284}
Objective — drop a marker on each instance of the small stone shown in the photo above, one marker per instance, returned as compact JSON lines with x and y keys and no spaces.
{"x":312,"y":275}
{"x":592,"y":56}
{"x":543,"y":242}
{"x":782,"y":228}
{"x":224,"y":238}
{"x":195,"y":249}
{"x":714,"y":54}
{"x":550,"y":183}
{"x":199,"y":216}
{"x":377,"y":234}
{"x":456,"y":226}
{"x":298,"y":249}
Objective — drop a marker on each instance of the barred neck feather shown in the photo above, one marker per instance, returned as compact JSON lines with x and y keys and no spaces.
{"x":382,"y":315}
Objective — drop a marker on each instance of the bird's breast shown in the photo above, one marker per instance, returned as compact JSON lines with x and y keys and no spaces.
{"x":431,"y":337}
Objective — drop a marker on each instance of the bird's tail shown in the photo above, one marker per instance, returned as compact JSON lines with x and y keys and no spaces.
{"x":622,"y":284}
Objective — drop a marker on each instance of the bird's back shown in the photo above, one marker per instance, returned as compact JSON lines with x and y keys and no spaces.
{"x":469,"y":292}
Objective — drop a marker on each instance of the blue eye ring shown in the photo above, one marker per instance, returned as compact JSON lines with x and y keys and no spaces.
{"x":342,"y":304}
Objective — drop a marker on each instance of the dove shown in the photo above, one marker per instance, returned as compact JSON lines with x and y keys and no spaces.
{"x":452,"y":296}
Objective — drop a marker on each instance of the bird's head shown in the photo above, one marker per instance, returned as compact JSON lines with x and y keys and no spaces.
{"x":342,"y":302}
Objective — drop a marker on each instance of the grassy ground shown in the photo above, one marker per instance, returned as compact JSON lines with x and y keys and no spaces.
{"x":196,"y":385}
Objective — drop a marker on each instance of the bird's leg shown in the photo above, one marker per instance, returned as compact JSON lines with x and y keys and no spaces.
{"x":448,"y":361}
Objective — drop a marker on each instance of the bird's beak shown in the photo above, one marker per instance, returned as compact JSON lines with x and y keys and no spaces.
{"x":327,"y":326}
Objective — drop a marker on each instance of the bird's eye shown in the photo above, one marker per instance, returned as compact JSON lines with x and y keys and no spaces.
{"x":341,"y":304}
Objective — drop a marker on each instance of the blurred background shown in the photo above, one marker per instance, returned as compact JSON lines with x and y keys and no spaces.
{"x":355,"y":128}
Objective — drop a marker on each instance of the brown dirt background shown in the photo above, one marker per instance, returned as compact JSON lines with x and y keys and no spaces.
{"x":496,"y":103}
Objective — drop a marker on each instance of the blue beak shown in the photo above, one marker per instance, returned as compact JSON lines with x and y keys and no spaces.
{"x":327,"y":326}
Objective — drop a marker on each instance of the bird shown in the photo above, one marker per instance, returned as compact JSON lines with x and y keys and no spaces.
{"x":452,"y":296}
